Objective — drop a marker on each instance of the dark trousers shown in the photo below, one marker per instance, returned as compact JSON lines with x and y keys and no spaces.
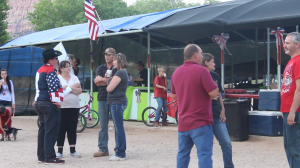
{"x":49,"y":116}
{"x":68,"y":124}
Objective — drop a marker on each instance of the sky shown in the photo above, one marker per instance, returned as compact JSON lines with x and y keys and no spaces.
{"x":129,"y":2}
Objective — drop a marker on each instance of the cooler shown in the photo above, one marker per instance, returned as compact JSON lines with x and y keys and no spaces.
{"x":237,"y":121}
{"x":269,"y":100}
{"x":268,"y":123}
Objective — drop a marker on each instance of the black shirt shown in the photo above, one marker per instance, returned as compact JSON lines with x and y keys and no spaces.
{"x":144,"y":75}
{"x":216,"y":106}
{"x":118,"y":95}
{"x":101,"y":70}
{"x":76,"y":71}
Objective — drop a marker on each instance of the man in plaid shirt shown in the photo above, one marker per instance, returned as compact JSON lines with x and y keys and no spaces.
{"x":103,"y":108}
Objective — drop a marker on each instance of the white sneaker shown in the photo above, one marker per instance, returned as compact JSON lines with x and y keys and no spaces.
{"x":116,"y":158}
{"x":59,"y":155}
{"x":75,"y":154}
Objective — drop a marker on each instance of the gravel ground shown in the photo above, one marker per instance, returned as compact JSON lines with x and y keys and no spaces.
{"x":146,"y":147}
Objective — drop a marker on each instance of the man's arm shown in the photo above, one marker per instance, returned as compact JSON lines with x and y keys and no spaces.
{"x":215,"y":93}
{"x":137,"y":80}
{"x":101,"y":81}
{"x":53,"y":83}
{"x":295,"y":104}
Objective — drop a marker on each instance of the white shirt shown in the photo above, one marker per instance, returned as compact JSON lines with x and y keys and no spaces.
{"x":5,"y":95}
{"x":70,"y":100}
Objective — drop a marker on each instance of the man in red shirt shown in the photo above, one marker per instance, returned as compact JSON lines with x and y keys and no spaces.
{"x":290,"y":100}
{"x":160,"y":94}
{"x":193,"y":88}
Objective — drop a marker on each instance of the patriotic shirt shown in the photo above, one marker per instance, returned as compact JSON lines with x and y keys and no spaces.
{"x":47,"y":85}
{"x":290,"y":75}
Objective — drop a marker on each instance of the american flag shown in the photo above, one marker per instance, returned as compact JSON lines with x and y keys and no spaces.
{"x":90,"y":15}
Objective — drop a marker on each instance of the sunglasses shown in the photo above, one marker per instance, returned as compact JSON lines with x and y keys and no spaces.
{"x":55,"y":58}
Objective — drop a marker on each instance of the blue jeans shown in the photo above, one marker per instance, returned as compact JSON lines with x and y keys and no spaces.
{"x":117,"y":111}
{"x":221,"y":133}
{"x":103,"y":111}
{"x":202,"y":137}
{"x":291,"y":138}
{"x":160,"y":103}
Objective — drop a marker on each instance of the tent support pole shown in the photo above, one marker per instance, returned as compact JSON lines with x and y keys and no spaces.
{"x":268,"y":57}
{"x":91,"y":43}
{"x":256,"y":56}
{"x":222,"y":65}
{"x":148,"y":65}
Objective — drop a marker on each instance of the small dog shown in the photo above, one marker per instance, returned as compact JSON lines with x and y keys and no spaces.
{"x":8,"y":131}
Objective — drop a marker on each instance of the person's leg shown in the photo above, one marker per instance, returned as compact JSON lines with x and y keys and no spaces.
{"x":185,"y":144}
{"x":165,"y":110}
{"x":39,"y":108}
{"x":9,"y":108}
{"x":62,"y":130}
{"x":291,"y":140}
{"x":117,"y":111}
{"x":203,"y":140}
{"x":72,"y":128}
{"x":159,"y":107}
{"x":221,"y":133}
{"x":52,"y":124}
{"x":103,"y":133}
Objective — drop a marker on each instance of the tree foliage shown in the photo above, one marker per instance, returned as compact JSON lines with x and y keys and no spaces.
{"x":206,"y":2}
{"x":49,"y":14}
{"x":4,"y":36}
{"x":150,"y":6}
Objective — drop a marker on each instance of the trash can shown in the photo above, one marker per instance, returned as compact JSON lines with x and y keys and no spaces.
{"x":237,"y":121}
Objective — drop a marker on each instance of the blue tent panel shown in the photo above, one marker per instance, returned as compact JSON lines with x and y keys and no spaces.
{"x":21,"y":62}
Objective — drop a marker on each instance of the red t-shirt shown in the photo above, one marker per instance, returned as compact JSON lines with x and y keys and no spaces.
{"x":191,"y":83}
{"x":290,"y":75}
{"x":159,"y":92}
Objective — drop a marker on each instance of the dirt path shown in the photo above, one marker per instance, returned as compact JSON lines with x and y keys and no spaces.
{"x":146,"y":148}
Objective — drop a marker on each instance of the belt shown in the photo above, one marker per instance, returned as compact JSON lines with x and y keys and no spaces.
{"x":44,"y":100}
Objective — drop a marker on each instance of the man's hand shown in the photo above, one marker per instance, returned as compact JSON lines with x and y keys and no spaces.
{"x":222,"y":116}
{"x":166,"y":89}
{"x":57,"y":104}
{"x":291,"y":119}
{"x":33,"y":103}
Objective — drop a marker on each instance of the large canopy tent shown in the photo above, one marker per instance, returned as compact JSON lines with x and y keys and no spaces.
{"x":172,"y":30}
{"x":193,"y":24}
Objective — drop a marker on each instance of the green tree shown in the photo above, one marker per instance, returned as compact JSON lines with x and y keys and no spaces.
{"x":150,"y":6}
{"x":4,"y":36}
{"x":206,"y":2}
{"x":49,"y":14}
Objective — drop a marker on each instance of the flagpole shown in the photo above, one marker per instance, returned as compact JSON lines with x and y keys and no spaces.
{"x":222,"y":64}
{"x":100,"y":21}
{"x":91,"y":43}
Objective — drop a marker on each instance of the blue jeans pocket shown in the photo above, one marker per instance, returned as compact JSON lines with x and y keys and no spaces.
{"x":124,"y":106}
{"x":202,"y":130}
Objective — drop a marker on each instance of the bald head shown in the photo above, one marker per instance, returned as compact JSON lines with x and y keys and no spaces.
{"x":190,"y":50}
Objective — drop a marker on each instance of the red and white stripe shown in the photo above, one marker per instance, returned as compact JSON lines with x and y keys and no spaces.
{"x":90,"y":15}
